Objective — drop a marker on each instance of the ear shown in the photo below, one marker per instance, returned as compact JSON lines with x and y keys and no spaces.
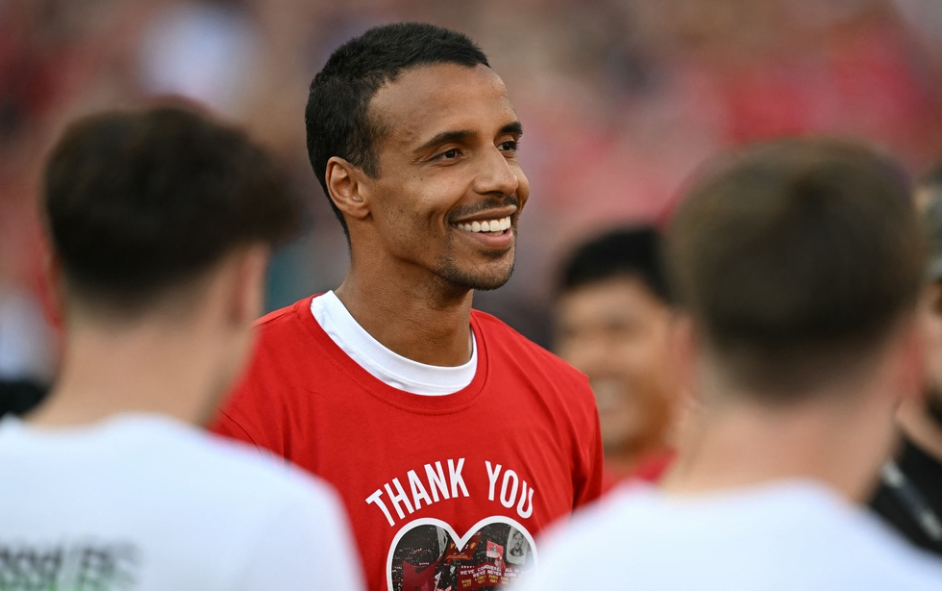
{"x":911,"y":373}
{"x":55,"y":298}
{"x":931,"y":299}
{"x":248,"y":294}
{"x":685,"y":348}
{"x":347,"y":189}
{"x":687,"y":351}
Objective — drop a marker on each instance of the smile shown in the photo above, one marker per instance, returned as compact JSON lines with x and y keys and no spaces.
{"x":489,"y":226}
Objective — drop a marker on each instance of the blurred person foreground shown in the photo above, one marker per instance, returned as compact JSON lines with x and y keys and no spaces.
{"x":798,"y":265}
{"x":910,"y":493}
{"x":612,"y":321}
{"x":452,"y":439}
{"x":161,"y":223}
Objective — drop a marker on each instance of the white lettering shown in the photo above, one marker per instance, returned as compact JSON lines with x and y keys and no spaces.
{"x":375,"y":498}
{"x":492,"y":479}
{"x":418,"y":491}
{"x":437,"y":481}
{"x":456,"y":478}
{"x":505,"y":500}
{"x":399,"y":497}
{"x":524,"y":498}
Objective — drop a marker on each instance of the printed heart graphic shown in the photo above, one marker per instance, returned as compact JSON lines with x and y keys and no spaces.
{"x":428,"y":555}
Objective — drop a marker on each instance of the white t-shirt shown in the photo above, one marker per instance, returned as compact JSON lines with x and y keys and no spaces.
{"x":383,"y":364}
{"x":142,"y":502}
{"x":789,"y":536}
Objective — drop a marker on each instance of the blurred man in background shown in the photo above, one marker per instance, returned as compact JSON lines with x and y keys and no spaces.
{"x":910,"y":493}
{"x":613,"y":320}
{"x":161,"y":223}
{"x":799,"y":263}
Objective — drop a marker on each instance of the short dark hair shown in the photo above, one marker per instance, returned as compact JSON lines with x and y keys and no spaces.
{"x":633,"y":252}
{"x":797,"y":258}
{"x":337,"y":117}
{"x":138,"y":202}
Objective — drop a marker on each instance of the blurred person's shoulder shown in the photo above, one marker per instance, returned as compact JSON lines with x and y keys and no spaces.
{"x":798,"y":536}
{"x":188,"y":464}
{"x":188,"y":509}
{"x":242,"y":470}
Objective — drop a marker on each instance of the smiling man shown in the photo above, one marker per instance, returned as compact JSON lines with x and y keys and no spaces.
{"x":446,"y":432}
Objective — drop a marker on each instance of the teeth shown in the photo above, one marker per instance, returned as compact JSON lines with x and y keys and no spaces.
{"x":487,"y":225}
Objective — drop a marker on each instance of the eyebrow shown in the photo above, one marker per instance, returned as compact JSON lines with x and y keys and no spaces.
{"x":515,"y":128}
{"x":461,"y":135}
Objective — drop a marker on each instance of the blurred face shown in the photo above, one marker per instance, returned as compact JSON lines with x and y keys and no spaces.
{"x":618,"y":333}
{"x":450,"y":189}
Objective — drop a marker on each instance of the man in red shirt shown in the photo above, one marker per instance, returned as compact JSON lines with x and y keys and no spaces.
{"x":448,"y":434}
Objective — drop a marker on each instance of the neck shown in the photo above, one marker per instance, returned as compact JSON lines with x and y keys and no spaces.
{"x":632,"y":454}
{"x":427,"y":322}
{"x":745,"y":444}
{"x":150,"y":368}
{"x":921,"y":427}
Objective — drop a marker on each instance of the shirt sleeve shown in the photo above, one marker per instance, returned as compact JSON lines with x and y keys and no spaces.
{"x":249,"y":412}
{"x":306,"y":544}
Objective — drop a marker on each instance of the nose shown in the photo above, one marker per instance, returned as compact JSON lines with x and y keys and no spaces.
{"x":498,"y":174}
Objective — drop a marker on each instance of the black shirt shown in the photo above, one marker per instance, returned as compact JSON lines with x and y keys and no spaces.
{"x":19,"y":397}
{"x":924,"y":473}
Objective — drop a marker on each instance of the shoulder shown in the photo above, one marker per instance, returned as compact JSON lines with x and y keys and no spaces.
{"x":501,"y":337}
{"x":605,"y":533}
{"x":242,"y":475}
{"x":285,"y":317}
{"x":284,"y":334}
{"x":891,"y":558}
{"x":280,"y":524}
{"x":628,"y":504}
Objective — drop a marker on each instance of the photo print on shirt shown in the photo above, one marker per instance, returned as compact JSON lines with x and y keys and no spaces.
{"x":428,"y":555}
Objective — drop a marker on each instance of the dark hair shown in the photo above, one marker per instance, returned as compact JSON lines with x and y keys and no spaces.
{"x":796,"y":258}
{"x":138,"y":202}
{"x":932,"y":179}
{"x":633,"y":252}
{"x":337,"y":117}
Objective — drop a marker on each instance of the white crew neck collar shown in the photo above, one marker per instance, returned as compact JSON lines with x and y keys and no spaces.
{"x":385,"y":365}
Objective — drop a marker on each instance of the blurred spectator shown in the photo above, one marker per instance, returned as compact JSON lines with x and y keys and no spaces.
{"x":797,"y":265}
{"x":207,"y":51}
{"x":613,"y":320}
{"x":910,"y":495}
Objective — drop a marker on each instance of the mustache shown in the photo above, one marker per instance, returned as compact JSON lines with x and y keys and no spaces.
{"x":489,"y":204}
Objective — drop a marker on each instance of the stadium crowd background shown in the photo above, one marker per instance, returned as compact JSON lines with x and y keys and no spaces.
{"x":620,"y":100}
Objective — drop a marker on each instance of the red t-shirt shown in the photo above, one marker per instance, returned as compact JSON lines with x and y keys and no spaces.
{"x":442,"y":491}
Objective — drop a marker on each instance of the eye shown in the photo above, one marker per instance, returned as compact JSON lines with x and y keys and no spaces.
{"x":509,"y":146}
{"x":448,"y":154}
